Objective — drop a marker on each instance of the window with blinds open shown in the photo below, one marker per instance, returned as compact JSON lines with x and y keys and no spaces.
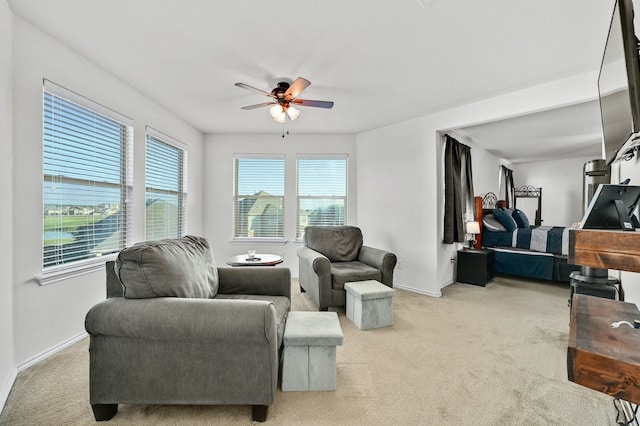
{"x":165,"y":194}
{"x":86,"y":178}
{"x":322,"y":191}
{"x":259,"y":197}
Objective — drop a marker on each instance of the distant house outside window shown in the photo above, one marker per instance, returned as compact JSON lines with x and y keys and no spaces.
{"x":87,"y":179}
{"x":166,"y":191}
{"x":258,"y":196}
{"x":322,"y":191}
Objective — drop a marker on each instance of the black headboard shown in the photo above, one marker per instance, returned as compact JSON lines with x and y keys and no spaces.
{"x":530,"y":191}
{"x":489,"y":203}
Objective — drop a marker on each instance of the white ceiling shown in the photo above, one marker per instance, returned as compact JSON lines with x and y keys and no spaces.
{"x":567,"y":132}
{"x":381,"y":61}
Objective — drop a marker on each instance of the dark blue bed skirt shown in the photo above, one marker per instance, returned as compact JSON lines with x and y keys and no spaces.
{"x":553,"y":268}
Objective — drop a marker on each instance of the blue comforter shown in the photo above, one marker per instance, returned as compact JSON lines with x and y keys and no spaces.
{"x":546,"y":239}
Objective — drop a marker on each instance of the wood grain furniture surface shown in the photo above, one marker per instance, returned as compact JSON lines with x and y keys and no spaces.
{"x":606,"y":249}
{"x":599,"y":356}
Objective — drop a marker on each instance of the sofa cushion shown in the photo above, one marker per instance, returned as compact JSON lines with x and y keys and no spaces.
{"x":337,"y":243}
{"x":181,"y":267}
{"x":343,"y":272}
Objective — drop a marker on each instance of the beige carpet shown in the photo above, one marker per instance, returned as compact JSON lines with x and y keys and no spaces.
{"x":476,"y":356}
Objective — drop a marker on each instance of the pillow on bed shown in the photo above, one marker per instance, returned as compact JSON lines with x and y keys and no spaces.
{"x":505,"y":219}
{"x":521,"y":219}
{"x":491,"y":223}
{"x":509,"y":211}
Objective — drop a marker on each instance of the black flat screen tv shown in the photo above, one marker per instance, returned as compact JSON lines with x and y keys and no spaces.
{"x":612,"y":207}
{"x":619,"y":85}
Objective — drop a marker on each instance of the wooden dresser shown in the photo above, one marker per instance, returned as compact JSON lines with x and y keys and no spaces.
{"x":601,"y":357}
{"x":618,"y":250}
{"x":598,"y":356}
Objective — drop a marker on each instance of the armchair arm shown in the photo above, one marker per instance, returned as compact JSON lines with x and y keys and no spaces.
{"x":383,"y":260}
{"x":315,"y":276}
{"x":184,"y":320}
{"x":315,"y":261}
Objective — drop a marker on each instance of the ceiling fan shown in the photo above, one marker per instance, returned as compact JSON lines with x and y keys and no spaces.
{"x":284,"y":97}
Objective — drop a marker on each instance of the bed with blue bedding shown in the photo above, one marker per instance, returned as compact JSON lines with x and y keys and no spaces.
{"x":529,"y":251}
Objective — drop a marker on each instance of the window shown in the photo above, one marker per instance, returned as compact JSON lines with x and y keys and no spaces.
{"x":322,"y":191}
{"x":86,"y":179}
{"x":165,"y":194}
{"x":259,"y":197}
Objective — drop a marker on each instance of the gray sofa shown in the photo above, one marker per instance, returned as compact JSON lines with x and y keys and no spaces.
{"x":335,"y":255}
{"x":175,"y":329}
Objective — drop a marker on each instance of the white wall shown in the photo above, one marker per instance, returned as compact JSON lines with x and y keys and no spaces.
{"x":408,"y":155}
{"x":46,"y":316}
{"x":218,"y":187}
{"x":7,"y":361}
{"x":561,"y":183}
{"x":394,"y":207}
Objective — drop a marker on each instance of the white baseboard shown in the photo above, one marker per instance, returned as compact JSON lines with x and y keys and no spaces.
{"x":49,"y":352}
{"x":8,"y":384}
{"x":6,"y":387}
{"x":415,"y":290}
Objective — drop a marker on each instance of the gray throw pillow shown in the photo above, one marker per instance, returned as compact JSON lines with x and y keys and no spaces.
{"x":491,"y":223}
{"x":181,"y":267}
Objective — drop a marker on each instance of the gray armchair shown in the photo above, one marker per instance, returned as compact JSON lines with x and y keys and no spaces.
{"x":159,"y":340}
{"x":335,"y":255}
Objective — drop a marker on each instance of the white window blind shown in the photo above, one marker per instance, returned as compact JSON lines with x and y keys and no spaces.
{"x":259,"y":197}
{"x":322,"y":191}
{"x":87,"y":178}
{"x":165,"y":177}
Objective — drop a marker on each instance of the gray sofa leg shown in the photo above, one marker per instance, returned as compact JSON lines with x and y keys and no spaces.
{"x":104,"y":412}
{"x":259,"y":412}
{"x":302,"y":290}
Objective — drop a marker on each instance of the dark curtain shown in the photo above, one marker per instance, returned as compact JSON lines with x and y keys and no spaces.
{"x":458,"y":189}
{"x":509,"y":189}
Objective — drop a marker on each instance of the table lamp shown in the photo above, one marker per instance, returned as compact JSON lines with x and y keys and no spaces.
{"x":473,"y":228}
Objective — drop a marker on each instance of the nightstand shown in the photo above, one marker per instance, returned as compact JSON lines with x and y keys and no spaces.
{"x":475,"y":266}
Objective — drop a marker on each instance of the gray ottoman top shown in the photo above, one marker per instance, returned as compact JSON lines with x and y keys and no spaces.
{"x":367,"y":290}
{"x":312,"y":329}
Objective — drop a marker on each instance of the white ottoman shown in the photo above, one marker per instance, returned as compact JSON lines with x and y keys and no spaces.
{"x":369,"y":304}
{"x":309,"y":362}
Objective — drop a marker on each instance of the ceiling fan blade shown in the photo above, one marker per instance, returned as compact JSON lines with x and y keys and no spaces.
{"x":310,"y":103}
{"x":296,"y":88}
{"x":264,"y":104}
{"x":262,"y":92}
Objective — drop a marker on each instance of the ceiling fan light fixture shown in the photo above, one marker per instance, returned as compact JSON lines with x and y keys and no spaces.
{"x":282,"y":99}
{"x":276,"y":110}
{"x":293,"y":113}
{"x":278,"y":114}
